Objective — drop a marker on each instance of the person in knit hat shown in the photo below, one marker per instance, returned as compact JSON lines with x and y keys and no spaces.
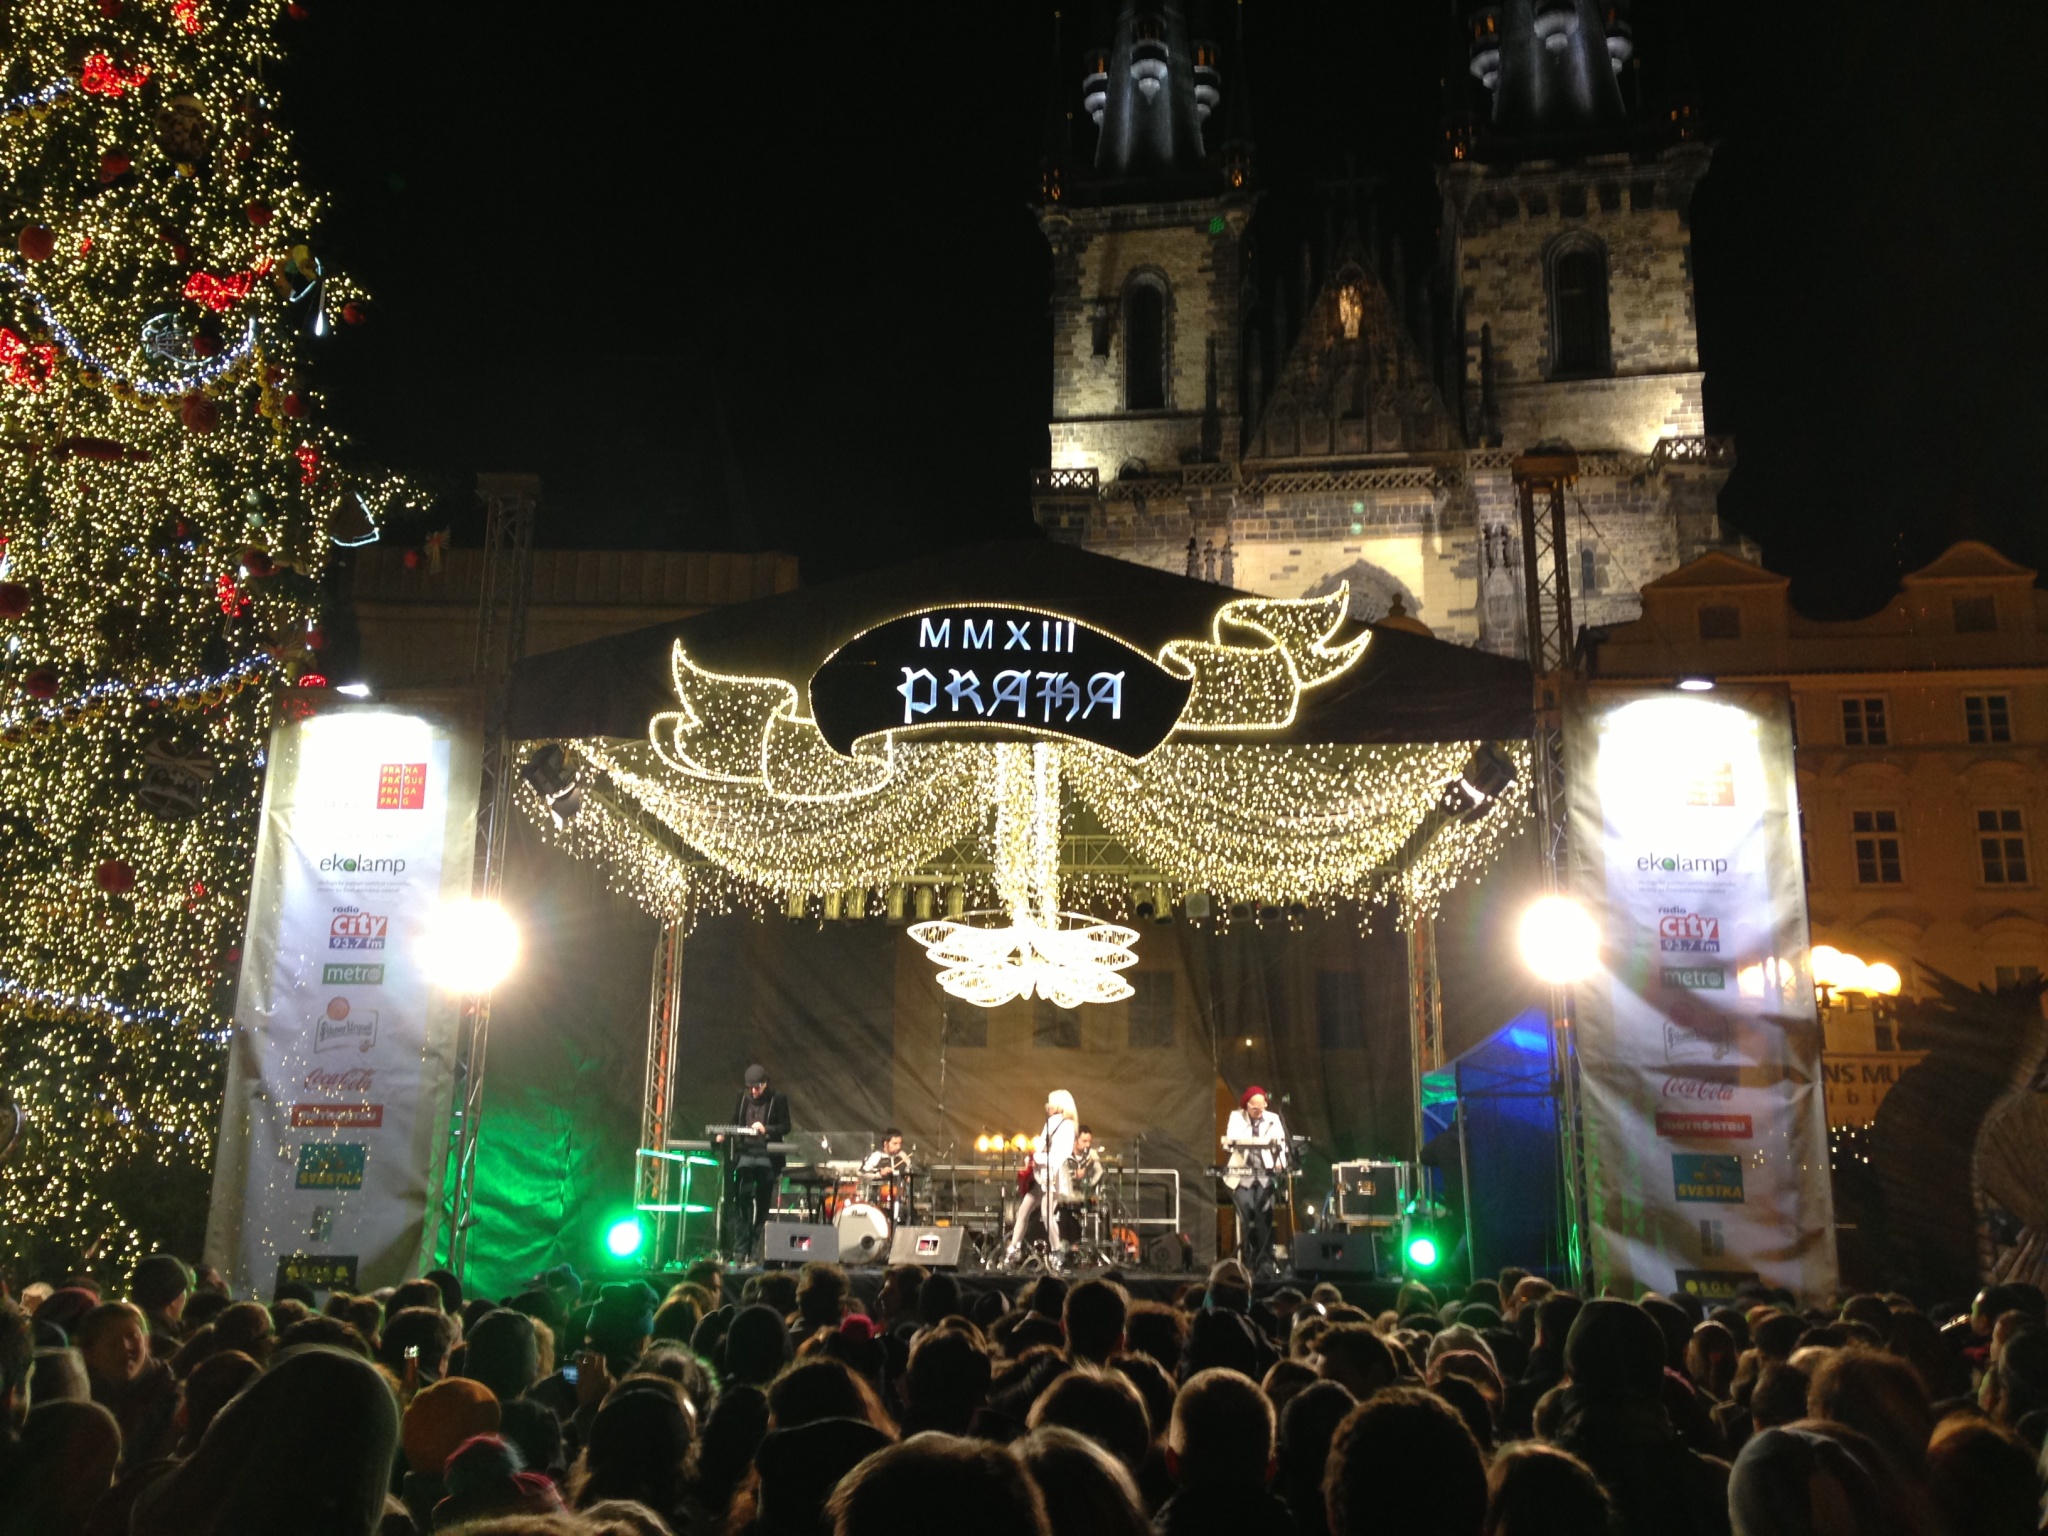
{"x":486,"y":1477}
{"x":439,"y":1420}
{"x":160,"y":1285}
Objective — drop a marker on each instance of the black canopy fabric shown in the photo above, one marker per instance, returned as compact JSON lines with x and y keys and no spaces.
{"x":1406,"y":688}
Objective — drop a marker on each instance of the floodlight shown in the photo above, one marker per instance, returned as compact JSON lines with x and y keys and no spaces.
{"x":623,"y":1238}
{"x":1696,"y":684}
{"x":469,"y":946}
{"x":1559,"y":940}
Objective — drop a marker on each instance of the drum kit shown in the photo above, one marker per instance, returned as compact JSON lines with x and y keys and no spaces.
{"x":866,"y":1204}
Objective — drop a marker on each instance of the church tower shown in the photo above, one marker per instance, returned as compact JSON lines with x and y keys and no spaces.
{"x":1568,"y":216}
{"x":1145,"y":228}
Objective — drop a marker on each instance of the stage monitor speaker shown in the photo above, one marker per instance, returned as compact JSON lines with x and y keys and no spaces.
{"x":1170,"y":1253}
{"x":933,"y":1247}
{"x":799,"y":1242}
{"x":1335,"y":1253}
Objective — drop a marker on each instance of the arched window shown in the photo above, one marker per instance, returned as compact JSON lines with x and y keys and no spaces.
{"x":1144,"y":347}
{"x":1578,"y":310}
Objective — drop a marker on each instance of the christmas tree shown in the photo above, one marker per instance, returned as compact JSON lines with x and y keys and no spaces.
{"x":168,"y":499}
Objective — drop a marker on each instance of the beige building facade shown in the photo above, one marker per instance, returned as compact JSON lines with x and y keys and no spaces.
{"x":1922,"y":737}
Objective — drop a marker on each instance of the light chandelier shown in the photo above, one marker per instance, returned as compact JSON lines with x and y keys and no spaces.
{"x":1028,"y":947}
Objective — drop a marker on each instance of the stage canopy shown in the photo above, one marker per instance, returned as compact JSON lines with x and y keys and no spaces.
{"x":1207,"y":815}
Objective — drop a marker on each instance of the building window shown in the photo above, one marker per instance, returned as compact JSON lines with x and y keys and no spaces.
{"x":1877,"y":848}
{"x":2002,"y":845}
{"x":1863,"y":723}
{"x":1059,"y":1028}
{"x":966,"y":1025}
{"x":1976,"y":615}
{"x":1350,"y":310}
{"x":1150,"y":1012}
{"x":1987,"y":717}
{"x":1589,"y":569}
{"x":1340,"y":1011}
{"x":1720,"y":621}
{"x":1144,"y":347}
{"x":1578,"y":309}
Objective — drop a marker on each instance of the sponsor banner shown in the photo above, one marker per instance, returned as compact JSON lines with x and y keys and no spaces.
{"x":323,"y":1272}
{"x":339,"y":1084}
{"x":1699,"y":1047}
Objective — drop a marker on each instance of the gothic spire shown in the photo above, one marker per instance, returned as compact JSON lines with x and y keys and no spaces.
{"x":1150,"y":93}
{"x":1551,"y":65}
{"x":1058,"y":152}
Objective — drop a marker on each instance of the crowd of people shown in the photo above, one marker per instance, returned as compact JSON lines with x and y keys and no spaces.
{"x":786,"y":1406}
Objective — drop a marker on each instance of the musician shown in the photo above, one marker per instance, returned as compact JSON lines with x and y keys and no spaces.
{"x":885,"y":1175}
{"x":1050,"y":1150}
{"x":1084,"y":1168}
{"x":1259,"y":1151}
{"x":756,"y":1171}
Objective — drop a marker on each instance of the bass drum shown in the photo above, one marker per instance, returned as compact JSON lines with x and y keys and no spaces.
{"x":863,"y":1233}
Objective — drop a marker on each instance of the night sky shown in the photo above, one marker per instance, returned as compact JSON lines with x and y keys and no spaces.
{"x":767,"y":276}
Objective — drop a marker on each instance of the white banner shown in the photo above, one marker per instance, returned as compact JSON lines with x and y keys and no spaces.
{"x":335,"y":1127}
{"x":1699,"y":1045}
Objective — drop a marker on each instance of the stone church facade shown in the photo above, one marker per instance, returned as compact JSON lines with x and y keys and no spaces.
{"x":1369,"y":438}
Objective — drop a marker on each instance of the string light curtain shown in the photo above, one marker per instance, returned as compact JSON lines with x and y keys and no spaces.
{"x":169,"y":491}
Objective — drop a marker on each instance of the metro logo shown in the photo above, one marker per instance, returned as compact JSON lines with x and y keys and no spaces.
{"x":1688,"y":933}
{"x":402,"y":787}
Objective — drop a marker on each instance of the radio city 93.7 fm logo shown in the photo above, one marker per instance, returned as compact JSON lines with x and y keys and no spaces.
{"x":353,"y":928}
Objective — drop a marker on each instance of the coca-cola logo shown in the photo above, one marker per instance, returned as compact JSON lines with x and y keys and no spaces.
{"x":1700,"y":1090}
{"x":354,"y":1080}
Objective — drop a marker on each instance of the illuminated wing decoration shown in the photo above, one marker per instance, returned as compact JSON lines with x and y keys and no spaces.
{"x":1245,"y":688}
{"x":741,"y":781}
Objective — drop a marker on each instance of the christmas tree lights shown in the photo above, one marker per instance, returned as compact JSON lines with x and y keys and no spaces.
{"x":167,"y":486}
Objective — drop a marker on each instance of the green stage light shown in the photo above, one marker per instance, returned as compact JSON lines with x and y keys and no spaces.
{"x":623,"y":1238}
{"x":1422,"y":1252}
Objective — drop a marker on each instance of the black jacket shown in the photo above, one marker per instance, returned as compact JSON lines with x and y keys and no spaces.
{"x":772,"y":1110}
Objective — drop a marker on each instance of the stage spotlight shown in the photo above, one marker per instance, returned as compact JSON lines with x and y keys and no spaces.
{"x":548,"y":774}
{"x":622,"y":1239}
{"x":1473,"y":792}
{"x":469,"y":946}
{"x":1696,"y":684}
{"x":1559,"y":940}
{"x":1422,"y":1251}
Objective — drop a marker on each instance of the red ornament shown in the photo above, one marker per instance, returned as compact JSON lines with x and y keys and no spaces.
{"x":295,"y":404}
{"x":353,"y":313}
{"x":316,"y":639}
{"x":28,"y":364}
{"x":198,"y":413}
{"x":101,"y":76}
{"x":110,"y":8}
{"x":14,"y":599}
{"x":113,"y":167}
{"x":234,"y":602}
{"x":309,"y":463}
{"x":296,"y":11}
{"x":412,"y":559}
{"x":257,"y":562}
{"x":114,"y":876}
{"x":204,"y":345}
{"x":41,"y":683}
{"x":187,"y":12}
{"x":258,"y":213}
{"x":38,"y":242}
{"x":219,"y":293}
{"x":85,"y":246}
{"x":312,"y":680}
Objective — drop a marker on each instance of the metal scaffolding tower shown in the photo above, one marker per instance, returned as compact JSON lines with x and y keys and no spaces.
{"x":1541,"y":479}
{"x":507,"y":581}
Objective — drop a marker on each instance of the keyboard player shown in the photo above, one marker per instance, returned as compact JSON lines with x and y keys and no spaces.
{"x":756,"y":1171}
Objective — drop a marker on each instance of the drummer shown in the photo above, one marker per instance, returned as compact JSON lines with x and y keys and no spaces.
{"x":885,"y":1175}
{"x":1084,"y":1168}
